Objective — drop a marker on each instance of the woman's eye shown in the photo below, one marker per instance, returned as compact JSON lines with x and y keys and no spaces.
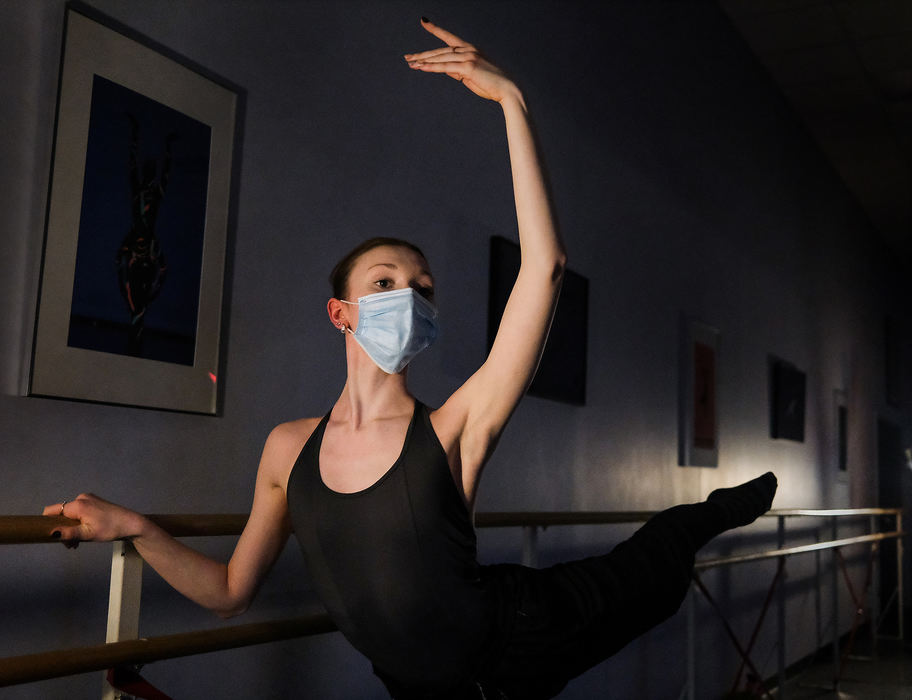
{"x":385,"y":284}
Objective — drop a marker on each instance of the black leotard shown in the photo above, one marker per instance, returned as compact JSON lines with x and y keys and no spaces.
{"x":395,"y":564}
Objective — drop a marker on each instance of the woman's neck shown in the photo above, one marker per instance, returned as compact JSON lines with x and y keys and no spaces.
{"x":371,"y":394}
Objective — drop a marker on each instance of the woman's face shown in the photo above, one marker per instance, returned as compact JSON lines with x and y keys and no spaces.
{"x":386,"y":268}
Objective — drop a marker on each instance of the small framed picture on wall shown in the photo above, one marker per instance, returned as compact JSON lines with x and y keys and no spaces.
{"x":698,"y":415}
{"x":787,"y":391}
{"x":841,"y":425}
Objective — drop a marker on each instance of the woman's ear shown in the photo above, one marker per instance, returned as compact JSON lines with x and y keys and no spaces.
{"x":337,"y":314}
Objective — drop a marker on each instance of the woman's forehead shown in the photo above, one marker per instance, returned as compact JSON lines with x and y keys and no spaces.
{"x":393,"y":258}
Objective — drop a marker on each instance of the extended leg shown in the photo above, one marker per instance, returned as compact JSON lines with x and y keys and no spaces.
{"x":574,"y":615}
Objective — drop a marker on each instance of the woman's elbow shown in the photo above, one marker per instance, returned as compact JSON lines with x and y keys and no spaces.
{"x":228,"y":612}
{"x":559,"y":265}
{"x":548,"y":268}
{"x":231,"y":605}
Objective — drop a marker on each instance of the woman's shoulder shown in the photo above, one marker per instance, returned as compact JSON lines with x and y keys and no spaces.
{"x":293,"y":433}
{"x":283,"y":446}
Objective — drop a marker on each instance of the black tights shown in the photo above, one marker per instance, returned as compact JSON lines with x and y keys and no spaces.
{"x":569,"y":617}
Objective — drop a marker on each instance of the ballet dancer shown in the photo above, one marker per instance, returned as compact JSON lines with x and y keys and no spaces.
{"x":379,"y":492}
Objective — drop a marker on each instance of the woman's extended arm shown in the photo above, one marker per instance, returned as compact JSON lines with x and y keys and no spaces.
{"x":485,"y":402}
{"x":227,"y":589}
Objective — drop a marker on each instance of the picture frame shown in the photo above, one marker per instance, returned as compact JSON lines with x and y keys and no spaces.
{"x":841,"y":431}
{"x":698,"y":413}
{"x":787,"y":400}
{"x":136,"y":238}
{"x":892,"y":363}
{"x":562,"y":370}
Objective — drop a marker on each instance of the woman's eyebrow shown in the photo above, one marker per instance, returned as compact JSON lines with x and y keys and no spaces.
{"x":393,"y":266}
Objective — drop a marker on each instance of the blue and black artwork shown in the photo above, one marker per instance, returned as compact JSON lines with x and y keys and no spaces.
{"x":141,"y":230}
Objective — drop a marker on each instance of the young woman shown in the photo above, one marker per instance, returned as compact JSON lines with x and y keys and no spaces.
{"x":379,"y":492}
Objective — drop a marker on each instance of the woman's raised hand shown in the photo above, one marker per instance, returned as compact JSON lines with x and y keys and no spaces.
{"x":462,"y":61}
{"x":99,"y":520}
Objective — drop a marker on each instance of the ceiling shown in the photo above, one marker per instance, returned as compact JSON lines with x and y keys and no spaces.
{"x":846,"y":67}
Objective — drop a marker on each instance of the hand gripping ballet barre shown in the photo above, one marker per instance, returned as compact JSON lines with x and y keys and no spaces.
{"x":124,"y":648}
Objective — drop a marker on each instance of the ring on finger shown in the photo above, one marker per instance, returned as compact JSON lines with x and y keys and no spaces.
{"x":62,"y":506}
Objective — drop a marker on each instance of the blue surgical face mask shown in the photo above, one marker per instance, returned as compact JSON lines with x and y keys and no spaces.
{"x":395,"y":326}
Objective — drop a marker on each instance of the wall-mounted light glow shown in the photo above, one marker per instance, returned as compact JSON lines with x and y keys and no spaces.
{"x":213,"y":377}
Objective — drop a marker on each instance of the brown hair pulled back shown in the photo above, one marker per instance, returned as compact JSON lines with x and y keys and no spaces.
{"x":338,"y":278}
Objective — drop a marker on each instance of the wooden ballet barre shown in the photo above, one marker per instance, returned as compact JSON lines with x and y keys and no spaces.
{"x":68,"y":662}
{"x":35,"y":529}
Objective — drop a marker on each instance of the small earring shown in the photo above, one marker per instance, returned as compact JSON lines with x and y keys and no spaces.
{"x":342,"y":329}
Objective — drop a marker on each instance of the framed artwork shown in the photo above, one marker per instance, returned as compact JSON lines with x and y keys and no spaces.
{"x":698,"y":416}
{"x":787,"y":384}
{"x":130,"y":306}
{"x":893,"y":385}
{"x":561,"y":373}
{"x":841,"y":416}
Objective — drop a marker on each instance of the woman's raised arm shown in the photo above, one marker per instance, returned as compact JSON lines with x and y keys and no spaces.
{"x":485,"y":402}
{"x":226,"y":589}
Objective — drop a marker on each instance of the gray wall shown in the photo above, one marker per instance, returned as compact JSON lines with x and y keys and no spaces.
{"x":683,"y":183}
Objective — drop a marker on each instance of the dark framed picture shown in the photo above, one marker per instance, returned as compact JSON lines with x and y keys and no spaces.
{"x":787,"y":385}
{"x":841,"y":430}
{"x":698,"y":413}
{"x":561,"y":374}
{"x":132,"y":278}
{"x":893,"y":380}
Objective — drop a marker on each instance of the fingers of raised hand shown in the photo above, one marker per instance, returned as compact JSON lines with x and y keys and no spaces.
{"x":450,"y":63}
{"x":447,"y":55}
{"x":442,"y":51}
{"x":446,"y":37}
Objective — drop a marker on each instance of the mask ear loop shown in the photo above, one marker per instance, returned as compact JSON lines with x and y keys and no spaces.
{"x":343,"y":328}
